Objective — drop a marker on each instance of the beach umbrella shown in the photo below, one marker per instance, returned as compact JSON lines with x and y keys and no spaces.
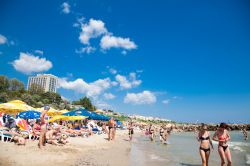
{"x":99,"y":117}
{"x":14,"y":107}
{"x":52,"y":111}
{"x":63,"y":117}
{"x":30,"y":114}
{"x":79,"y":112}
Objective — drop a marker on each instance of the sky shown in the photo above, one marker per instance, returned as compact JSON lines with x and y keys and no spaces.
{"x":182,"y":60}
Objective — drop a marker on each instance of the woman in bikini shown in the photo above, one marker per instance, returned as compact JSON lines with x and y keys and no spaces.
{"x":42,"y":138}
{"x":205,"y":143}
{"x":161,"y":134}
{"x":222,"y":136}
{"x":130,"y":130}
{"x":151,"y":132}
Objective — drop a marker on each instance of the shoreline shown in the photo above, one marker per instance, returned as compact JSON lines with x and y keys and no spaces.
{"x":96,"y":150}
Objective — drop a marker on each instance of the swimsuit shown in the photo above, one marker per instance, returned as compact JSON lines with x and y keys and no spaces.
{"x":203,"y":139}
{"x":205,"y":150}
{"x":224,"y":147}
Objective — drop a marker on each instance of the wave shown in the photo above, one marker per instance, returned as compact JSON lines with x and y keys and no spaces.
{"x":155,"y":157}
{"x":248,"y":159}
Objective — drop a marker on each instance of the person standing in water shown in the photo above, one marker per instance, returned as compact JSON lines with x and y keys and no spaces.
{"x":161,"y":134}
{"x":151,"y":132}
{"x":245,"y":134}
{"x":130,"y":130}
{"x":205,"y":143}
{"x":42,"y":138}
{"x":222,"y":136}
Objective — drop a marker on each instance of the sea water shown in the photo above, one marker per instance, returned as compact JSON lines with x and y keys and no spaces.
{"x":183,"y":150}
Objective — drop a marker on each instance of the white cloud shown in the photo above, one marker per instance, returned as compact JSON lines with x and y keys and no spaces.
{"x":93,"y":89}
{"x":87,"y":49}
{"x":128,"y":83}
{"x":39,"y":52}
{"x":145,"y":97}
{"x":177,"y":97}
{"x":65,"y":8}
{"x":167,"y":101}
{"x":3,"y":39}
{"x":28,"y":63}
{"x":108,"y":96}
{"x":92,"y":29}
{"x":112,"y":71}
{"x":108,"y":42}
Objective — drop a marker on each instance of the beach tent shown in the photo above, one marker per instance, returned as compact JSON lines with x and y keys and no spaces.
{"x":14,"y":107}
{"x":30,"y":114}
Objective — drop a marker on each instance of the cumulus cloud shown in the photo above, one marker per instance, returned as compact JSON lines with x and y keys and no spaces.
{"x":87,"y":49}
{"x":167,"y":101}
{"x":92,"y":29}
{"x":108,"y":96}
{"x":109,"y":41}
{"x":128,"y":83}
{"x":28,"y":63}
{"x":3,"y":39}
{"x":145,"y":97}
{"x":93,"y":89}
{"x":96,"y":28}
{"x":65,"y":8}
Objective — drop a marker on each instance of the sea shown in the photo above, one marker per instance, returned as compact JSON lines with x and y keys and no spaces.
{"x":183,"y":150}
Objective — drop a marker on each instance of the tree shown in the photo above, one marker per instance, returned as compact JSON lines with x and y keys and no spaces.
{"x":4,"y":83}
{"x":35,"y":89}
{"x":86,"y":103}
{"x":16,"y":85}
{"x":4,"y":97}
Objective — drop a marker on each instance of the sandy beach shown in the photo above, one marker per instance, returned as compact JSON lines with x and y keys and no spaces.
{"x":95,"y":150}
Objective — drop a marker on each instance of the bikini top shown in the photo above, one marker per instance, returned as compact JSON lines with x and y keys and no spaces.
{"x":204,"y":138}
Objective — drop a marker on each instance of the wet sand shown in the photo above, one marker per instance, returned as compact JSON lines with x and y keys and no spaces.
{"x":95,"y":150}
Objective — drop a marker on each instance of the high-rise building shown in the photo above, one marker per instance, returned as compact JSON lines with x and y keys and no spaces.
{"x":47,"y":81}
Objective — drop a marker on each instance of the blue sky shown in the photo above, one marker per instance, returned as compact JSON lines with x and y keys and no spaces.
{"x":181,"y":60}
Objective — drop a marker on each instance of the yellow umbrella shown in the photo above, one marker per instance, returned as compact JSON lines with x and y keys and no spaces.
{"x":52,"y":111}
{"x":99,"y":111}
{"x":71,"y":118}
{"x":64,"y":111}
{"x":14,"y":107}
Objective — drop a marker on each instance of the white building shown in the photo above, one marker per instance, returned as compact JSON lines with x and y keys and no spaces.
{"x":47,"y":81}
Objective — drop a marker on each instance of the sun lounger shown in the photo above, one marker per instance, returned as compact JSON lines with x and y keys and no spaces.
{"x":4,"y":135}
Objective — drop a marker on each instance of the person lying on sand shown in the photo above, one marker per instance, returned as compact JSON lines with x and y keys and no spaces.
{"x":18,"y":140}
{"x":51,"y":136}
{"x":63,"y":139}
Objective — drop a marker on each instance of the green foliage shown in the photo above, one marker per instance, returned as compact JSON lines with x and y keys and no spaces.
{"x":16,"y":85}
{"x":86,"y":103}
{"x":4,"y":83}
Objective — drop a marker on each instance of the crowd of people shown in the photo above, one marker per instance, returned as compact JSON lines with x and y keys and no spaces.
{"x":55,"y":133}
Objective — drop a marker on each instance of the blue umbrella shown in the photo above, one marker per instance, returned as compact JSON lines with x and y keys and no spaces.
{"x":30,"y":114}
{"x":79,"y":112}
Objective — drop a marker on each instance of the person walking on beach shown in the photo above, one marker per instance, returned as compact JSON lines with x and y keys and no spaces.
{"x":111,"y":125}
{"x":205,"y":143}
{"x":42,"y":138}
{"x":222,"y":136}
{"x":130,"y":130}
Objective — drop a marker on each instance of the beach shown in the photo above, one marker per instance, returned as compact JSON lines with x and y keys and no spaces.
{"x":95,"y":150}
